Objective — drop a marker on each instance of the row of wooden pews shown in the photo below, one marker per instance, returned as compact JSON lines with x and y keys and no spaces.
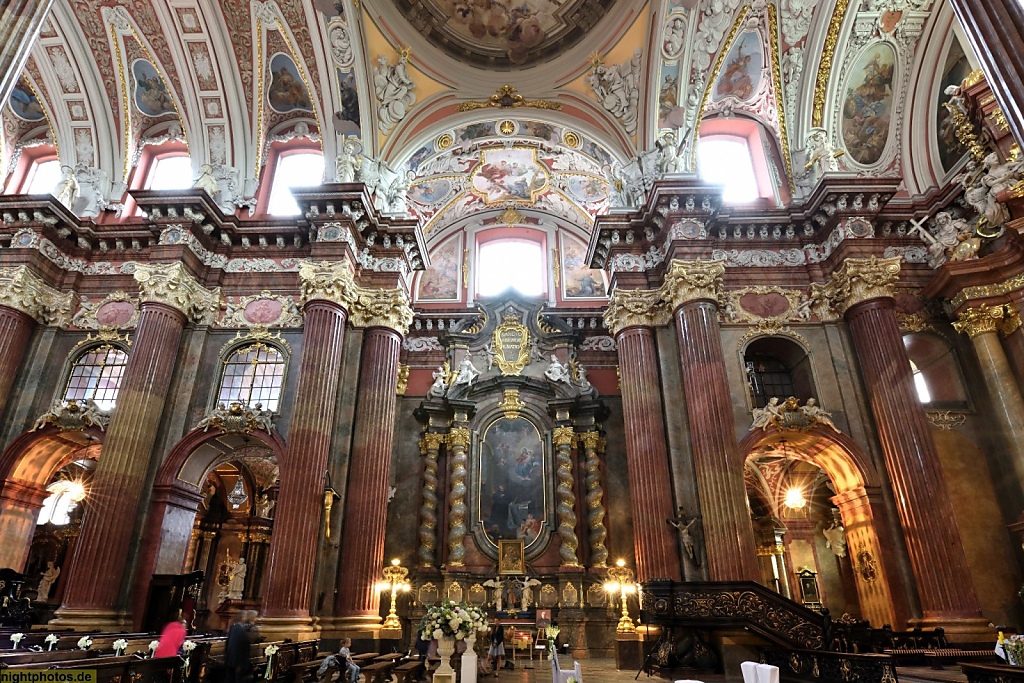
{"x":377,"y":668}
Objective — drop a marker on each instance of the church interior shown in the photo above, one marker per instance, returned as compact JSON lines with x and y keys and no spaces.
{"x":677,"y":333}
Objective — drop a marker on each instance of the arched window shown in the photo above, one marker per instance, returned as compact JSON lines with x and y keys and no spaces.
{"x":64,"y":496}
{"x":43,"y":177}
{"x":511,"y":264}
{"x":170,"y":172}
{"x":293,"y":170}
{"x":253,"y":374}
{"x":779,"y":368}
{"x":96,"y":375}
{"x":920,"y":384}
{"x":726,"y":160}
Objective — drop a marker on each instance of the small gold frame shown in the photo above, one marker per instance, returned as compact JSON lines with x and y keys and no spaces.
{"x":511,"y":558}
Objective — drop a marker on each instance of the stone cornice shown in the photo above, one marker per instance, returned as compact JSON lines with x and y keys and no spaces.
{"x":172,"y":285}
{"x":860,"y":280}
{"x":23,"y":290}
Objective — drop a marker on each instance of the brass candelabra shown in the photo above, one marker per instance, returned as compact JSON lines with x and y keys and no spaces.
{"x":395,"y":577}
{"x":621,"y":582}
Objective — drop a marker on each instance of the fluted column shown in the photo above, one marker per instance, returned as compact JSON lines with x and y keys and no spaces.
{"x":327,"y":291}
{"x":366,"y":504}
{"x":593,"y":450}
{"x":20,"y":503}
{"x":693,"y":288}
{"x":862,"y":291}
{"x":993,"y":28}
{"x":458,"y":444}
{"x":169,"y":296}
{"x":983,"y":325}
{"x":19,"y":29}
{"x":430,"y":445}
{"x":563,"y":439}
{"x":630,"y":317}
{"x":24,"y":299}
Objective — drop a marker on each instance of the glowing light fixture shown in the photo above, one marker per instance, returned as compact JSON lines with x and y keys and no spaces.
{"x":237,"y":495}
{"x":795,"y":498}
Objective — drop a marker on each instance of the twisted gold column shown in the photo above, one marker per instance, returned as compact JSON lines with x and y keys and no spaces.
{"x":593,"y":449}
{"x":430,"y":444}
{"x":458,"y":442}
{"x":563,"y":439}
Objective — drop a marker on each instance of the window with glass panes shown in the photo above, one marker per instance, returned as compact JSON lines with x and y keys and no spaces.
{"x":96,"y":375}
{"x":768,"y":377}
{"x":253,"y":374}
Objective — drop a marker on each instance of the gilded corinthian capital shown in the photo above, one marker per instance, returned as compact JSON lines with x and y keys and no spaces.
{"x":862,"y":279}
{"x":172,"y":285}
{"x":983,"y":319}
{"x":24,"y":291}
{"x":633,"y":307}
{"x":687,"y":281}
{"x":381,"y":308}
{"x":328,"y":281}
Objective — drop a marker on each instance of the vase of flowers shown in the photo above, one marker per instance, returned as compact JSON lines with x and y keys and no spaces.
{"x":1013,"y":646}
{"x":447,"y":623}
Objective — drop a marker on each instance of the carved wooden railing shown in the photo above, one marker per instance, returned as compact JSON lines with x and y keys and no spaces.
{"x":827,"y":667}
{"x":992,"y":673}
{"x":741,"y":604}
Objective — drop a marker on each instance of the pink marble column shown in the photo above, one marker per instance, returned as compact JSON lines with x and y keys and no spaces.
{"x":728,"y":535}
{"x":366,"y":505}
{"x":297,"y":519}
{"x":654,"y":541}
{"x":97,"y":573}
{"x":933,"y":541}
{"x":20,"y":503}
{"x":15,"y":333}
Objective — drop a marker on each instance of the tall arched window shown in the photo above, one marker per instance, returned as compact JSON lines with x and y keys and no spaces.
{"x":43,"y":177}
{"x":924,"y":395}
{"x":170,"y":172}
{"x":253,"y":374}
{"x":96,"y":375}
{"x":726,"y":160}
{"x":511,"y":264}
{"x":297,"y":169}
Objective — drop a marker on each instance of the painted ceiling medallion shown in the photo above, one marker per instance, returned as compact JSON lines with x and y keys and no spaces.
{"x":504,"y":34}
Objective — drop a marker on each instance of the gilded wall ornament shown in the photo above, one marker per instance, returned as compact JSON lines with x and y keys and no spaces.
{"x":507,"y":96}
{"x":238,"y":418}
{"x":688,"y":281}
{"x":510,"y":404}
{"x":73,"y":416}
{"x":264,"y":309}
{"x":327,"y":281}
{"x":511,"y":346}
{"x":790,"y":415}
{"x":945,"y":420}
{"x":381,"y":308}
{"x":23,"y":290}
{"x":402,"y":385}
{"x":172,"y":285}
{"x":117,"y":310}
{"x":772,"y":327}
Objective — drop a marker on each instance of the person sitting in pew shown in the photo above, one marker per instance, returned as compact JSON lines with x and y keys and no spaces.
{"x":342,"y":662}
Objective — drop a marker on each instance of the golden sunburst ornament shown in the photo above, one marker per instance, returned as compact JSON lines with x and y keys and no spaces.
{"x":506,"y":127}
{"x":444,"y":141}
{"x":571,"y":139}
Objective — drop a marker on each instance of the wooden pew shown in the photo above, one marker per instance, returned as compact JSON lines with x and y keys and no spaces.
{"x":409,"y":672}
{"x":121,"y":669}
{"x":26,"y":657}
{"x":378,"y":672}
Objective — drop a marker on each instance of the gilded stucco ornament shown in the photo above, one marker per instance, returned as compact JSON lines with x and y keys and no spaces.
{"x":635,"y":307}
{"x":984,"y":319}
{"x":23,"y":290}
{"x":860,"y":280}
{"x":688,"y":281}
{"x":366,"y":307}
{"x":172,"y":285}
{"x":327,"y":281}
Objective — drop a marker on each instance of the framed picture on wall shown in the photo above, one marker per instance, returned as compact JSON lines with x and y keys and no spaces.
{"x":511,"y":560}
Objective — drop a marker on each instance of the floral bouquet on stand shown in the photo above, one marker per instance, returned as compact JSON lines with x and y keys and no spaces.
{"x":452,"y":620}
{"x":84,"y":643}
{"x":16,"y":638}
{"x":120,"y":645}
{"x":187,"y":648}
{"x":269,"y":651}
{"x":552,"y":633}
{"x":1013,"y":646}
{"x":50,"y":641}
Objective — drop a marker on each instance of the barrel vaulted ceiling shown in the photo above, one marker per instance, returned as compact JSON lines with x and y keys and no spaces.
{"x":415,"y":84}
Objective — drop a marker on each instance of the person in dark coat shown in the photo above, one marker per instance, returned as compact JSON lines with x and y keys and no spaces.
{"x":236,"y":652}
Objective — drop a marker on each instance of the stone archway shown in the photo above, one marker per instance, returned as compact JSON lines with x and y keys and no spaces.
{"x":859,"y":499}
{"x":26,"y":468}
{"x":177,"y":493}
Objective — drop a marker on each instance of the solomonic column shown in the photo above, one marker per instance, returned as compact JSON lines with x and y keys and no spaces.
{"x":593,"y":453}
{"x":430,"y":446}
{"x":693,"y":288}
{"x":24,"y":299}
{"x":169,"y":298}
{"x":631,"y":316}
{"x":862,"y":291}
{"x":564,"y":438}
{"x":386,"y":320}
{"x":327,"y":290}
{"x":983,"y":325}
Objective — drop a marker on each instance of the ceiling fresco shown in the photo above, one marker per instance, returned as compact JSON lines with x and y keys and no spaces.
{"x":504,"y":34}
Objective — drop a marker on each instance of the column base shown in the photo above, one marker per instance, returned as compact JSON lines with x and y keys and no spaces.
{"x":356,"y":627}
{"x":959,"y":630}
{"x":279,"y":628}
{"x":90,"y":620}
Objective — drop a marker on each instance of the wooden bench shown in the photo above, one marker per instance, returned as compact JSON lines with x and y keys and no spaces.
{"x":409,"y":671}
{"x":378,"y":672}
{"x":305,"y":672}
{"x":949,"y":655}
{"x":26,"y":657}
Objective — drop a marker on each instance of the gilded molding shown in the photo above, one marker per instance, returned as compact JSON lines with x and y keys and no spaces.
{"x":687,"y":281}
{"x":590,"y":440}
{"x":458,"y":436}
{"x":172,"y":285}
{"x":945,"y":420}
{"x":510,"y":404}
{"x":828,"y":53}
{"x":431,"y":441}
{"x":563,"y":436}
{"x":984,"y":319}
{"x":635,"y":307}
{"x":24,"y":291}
{"x":966,"y":294}
{"x":861,"y":280}
{"x":507,"y":97}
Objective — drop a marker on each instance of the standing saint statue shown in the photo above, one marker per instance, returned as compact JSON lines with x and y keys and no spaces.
{"x":49,"y":577}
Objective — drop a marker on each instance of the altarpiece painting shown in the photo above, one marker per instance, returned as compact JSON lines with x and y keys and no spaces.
{"x":512,"y":481}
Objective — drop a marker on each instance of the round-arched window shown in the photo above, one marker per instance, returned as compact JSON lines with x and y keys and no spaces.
{"x":96,"y":376}
{"x":253,"y":374}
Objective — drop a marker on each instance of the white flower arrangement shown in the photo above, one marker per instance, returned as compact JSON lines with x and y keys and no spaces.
{"x":16,"y":638}
{"x":50,"y":641}
{"x":120,"y":645}
{"x":187,"y":648}
{"x":84,"y":643}
{"x":1014,"y":648}
{"x":270,"y":651}
{"x":153,"y":645}
{"x":571,"y":679}
{"x":452,"y":620}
